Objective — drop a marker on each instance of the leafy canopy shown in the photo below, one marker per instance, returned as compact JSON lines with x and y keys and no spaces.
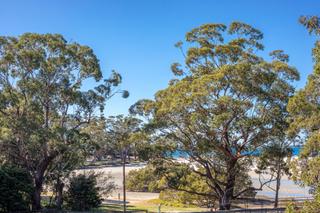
{"x":225,"y":102}
{"x":305,"y":115}
{"x":44,"y":101}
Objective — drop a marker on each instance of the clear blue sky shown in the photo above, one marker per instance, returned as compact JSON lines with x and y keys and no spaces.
{"x":136,"y":37}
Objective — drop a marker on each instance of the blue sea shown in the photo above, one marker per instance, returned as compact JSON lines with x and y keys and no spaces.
{"x":296,"y":150}
{"x":182,"y":154}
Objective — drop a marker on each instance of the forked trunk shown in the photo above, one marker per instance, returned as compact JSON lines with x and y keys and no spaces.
{"x":38,"y":178}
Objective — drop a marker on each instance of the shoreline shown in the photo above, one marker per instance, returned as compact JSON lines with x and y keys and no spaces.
{"x":288,"y":189}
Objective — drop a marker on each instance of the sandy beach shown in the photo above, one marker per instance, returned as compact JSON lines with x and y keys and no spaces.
{"x":116,"y":173}
{"x":288,"y":188}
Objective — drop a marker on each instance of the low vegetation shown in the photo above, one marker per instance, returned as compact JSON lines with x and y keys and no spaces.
{"x":83,"y":192}
{"x":178,"y":186}
{"x":16,"y":189}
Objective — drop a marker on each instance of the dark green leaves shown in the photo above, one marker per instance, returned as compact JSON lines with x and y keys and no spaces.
{"x":312,"y":23}
{"x":215,"y":45}
{"x":15,"y":189}
{"x":44,"y":103}
{"x":206,"y":32}
{"x":125,"y":94}
{"x":176,"y":70}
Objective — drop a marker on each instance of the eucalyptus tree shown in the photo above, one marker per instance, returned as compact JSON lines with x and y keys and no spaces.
{"x":43,"y":102}
{"x":98,"y":145}
{"x":124,"y":131}
{"x":305,"y":113}
{"x":274,"y":161}
{"x":225,"y":102}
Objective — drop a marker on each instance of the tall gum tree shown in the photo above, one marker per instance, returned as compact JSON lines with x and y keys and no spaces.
{"x":42,"y":102}
{"x":225,"y":102}
{"x":304,"y":108}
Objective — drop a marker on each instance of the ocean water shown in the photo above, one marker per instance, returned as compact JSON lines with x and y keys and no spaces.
{"x":296,"y":150}
{"x":181,"y":154}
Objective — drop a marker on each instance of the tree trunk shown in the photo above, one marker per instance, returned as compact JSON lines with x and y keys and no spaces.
{"x":36,"y":202}
{"x":38,"y":178}
{"x":59,"y":195}
{"x":225,"y":200}
{"x":278,"y":181}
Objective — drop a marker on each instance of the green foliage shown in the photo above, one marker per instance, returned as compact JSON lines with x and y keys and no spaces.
{"x":180,"y":199}
{"x":125,"y":135}
{"x":272,"y":159}
{"x":226,"y":101}
{"x":98,"y":143}
{"x":312,"y":23}
{"x":292,"y":208}
{"x":110,"y":136}
{"x":15,"y":189}
{"x":274,"y":162}
{"x":43,"y":105}
{"x":148,"y":179}
{"x":143,"y":180}
{"x":178,"y":185}
{"x":305,"y":111}
{"x":83,"y":192}
{"x":304,"y":107}
{"x":182,"y":177}
{"x":310,"y":206}
{"x":183,"y":194}
{"x":59,"y":171}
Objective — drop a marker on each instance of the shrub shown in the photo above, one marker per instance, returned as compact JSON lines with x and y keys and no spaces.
{"x":83,"y":192}
{"x":192,"y":183}
{"x":15,"y":189}
{"x":147,"y":180}
{"x":143,"y":180}
{"x":311,"y":206}
{"x":180,"y":199}
{"x":176,"y":182}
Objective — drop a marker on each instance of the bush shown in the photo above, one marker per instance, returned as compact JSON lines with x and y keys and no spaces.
{"x":83,"y":192}
{"x":143,"y":180}
{"x":16,"y":189}
{"x":179,"y":176}
{"x":180,"y":199}
{"x":147,"y":180}
{"x":310,"y":206}
{"x":192,"y":183}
